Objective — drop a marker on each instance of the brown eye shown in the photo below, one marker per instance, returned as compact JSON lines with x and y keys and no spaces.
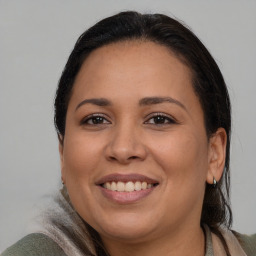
{"x":95,"y":120}
{"x":160,"y":119}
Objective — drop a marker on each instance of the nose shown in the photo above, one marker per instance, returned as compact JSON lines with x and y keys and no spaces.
{"x":125,"y":146}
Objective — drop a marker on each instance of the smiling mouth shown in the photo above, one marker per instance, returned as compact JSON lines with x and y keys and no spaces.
{"x":128,"y":186}
{"x":126,"y":189}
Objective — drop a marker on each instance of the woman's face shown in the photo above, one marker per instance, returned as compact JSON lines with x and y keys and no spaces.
{"x":135,"y":124}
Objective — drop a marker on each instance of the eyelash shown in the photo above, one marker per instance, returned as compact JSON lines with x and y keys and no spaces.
{"x":163,"y":118}
{"x":94,"y":117}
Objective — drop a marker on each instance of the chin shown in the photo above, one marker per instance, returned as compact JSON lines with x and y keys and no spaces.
{"x":128,"y":229}
{"x":126,"y":234}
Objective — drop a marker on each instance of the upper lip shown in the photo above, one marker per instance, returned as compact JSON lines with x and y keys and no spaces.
{"x":125,"y":178}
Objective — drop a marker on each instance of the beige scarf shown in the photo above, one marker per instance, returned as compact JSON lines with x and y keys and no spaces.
{"x":214,"y":246}
{"x":63,"y":225}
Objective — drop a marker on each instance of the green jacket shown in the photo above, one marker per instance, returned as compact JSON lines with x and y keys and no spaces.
{"x":34,"y":245}
{"x":40,"y":245}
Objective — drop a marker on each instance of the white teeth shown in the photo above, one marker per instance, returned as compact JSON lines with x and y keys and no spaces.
{"x":108,"y":185}
{"x":144,"y":185}
{"x":120,"y":186}
{"x":127,"y":186}
{"x":137,"y":186}
{"x":113,"y":186}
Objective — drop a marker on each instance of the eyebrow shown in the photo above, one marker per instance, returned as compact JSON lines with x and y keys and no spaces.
{"x":143,"y":102}
{"x":97,"y":101}
{"x":159,"y":100}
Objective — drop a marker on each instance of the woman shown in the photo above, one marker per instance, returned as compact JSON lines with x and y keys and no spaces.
{"x":143,"y":119}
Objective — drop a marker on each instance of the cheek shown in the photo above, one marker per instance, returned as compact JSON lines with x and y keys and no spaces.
{"x":182,"y":156}
{"x":81,"y":156}
{"x":81,"y":162}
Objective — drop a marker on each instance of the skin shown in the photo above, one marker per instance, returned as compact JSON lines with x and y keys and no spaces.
{"x":128,"y":139}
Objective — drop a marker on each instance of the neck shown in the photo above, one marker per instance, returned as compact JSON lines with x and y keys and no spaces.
{"x":191,"y":241}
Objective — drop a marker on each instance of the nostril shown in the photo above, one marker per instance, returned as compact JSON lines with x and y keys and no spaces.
{"x":122,"y":159}
{"x":133,"y":157}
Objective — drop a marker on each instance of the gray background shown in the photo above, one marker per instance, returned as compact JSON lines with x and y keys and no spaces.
{"x":36,"y":38}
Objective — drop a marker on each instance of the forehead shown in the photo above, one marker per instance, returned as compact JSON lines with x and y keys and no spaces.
{"x":135,"y":62}
{"x":135,"y":51}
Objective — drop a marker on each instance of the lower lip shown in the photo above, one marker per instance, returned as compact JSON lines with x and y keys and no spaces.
{"x":126,"y":197}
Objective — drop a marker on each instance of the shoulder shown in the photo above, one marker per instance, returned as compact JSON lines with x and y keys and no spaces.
{"x":247,"y":242}
{"x":34,"y":244}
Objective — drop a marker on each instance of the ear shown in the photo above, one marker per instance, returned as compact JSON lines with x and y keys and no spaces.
{"x":216,"y":155}
{"x":61,"y":152}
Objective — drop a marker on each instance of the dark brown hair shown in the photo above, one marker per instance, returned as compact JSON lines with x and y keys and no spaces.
{"x":208,"y":84}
